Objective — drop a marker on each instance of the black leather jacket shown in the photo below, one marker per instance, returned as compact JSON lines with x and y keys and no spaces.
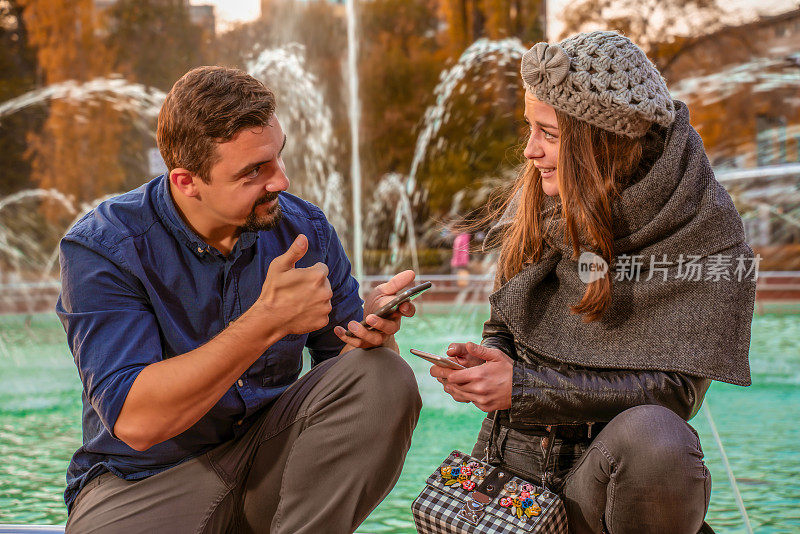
{"x":546,"y":393}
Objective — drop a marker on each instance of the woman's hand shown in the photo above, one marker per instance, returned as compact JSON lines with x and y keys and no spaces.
{"x":459,"y":353}
{"x":487,"y":380}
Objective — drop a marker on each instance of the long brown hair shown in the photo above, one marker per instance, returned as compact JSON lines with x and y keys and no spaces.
{"x":594,"y":166}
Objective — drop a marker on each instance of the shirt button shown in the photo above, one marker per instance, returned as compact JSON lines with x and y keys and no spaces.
{"x":240,"y":382}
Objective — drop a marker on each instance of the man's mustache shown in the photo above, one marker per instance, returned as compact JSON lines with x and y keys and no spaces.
{"x":268,"y":197}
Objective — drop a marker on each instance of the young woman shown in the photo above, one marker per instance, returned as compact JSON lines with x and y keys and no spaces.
{"x":624,"y":286}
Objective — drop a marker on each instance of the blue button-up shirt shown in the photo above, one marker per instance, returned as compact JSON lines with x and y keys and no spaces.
{"x":139,"y":286}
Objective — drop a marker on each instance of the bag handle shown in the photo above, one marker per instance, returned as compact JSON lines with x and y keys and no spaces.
{"x":550,"y":439}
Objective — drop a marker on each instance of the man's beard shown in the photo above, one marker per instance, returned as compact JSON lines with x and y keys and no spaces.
{"x":256,"y":223}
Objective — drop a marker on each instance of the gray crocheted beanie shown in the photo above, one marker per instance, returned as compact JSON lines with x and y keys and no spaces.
{"x":602,"y":78}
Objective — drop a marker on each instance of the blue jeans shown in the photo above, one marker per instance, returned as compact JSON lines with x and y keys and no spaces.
{"x":643,"y":473}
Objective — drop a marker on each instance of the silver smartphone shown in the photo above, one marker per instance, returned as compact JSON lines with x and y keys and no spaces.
{"x":437,"y":360}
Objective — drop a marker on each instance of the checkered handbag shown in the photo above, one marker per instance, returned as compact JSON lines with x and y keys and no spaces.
{"x":466,"y":495}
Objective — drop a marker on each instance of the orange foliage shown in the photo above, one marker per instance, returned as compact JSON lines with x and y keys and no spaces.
{"x":77,"y":151}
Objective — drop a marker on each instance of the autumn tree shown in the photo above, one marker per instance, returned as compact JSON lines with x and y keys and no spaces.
{"x":17,"y":76}
{"x":481,"y":140}
{"x":398,"y":69}
{"x":154,"y":42}
{"x":469,"y":20}
{"x":77,"y":151}
{"x":657,"y":26}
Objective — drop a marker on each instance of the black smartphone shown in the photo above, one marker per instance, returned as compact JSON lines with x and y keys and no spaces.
{"x":437,"y":360}
{"x":390,"y":307}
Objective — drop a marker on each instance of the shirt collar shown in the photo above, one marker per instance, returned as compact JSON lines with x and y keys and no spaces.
{"x":166,"y":209}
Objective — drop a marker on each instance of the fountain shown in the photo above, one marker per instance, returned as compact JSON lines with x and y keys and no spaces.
{"x":126,"y":96}
{"x":501,"y":54}
{"x":32,"y":345}
{"x":762,"y":74}
{"x":354,"y":107}
{"x":28,"y":260}
{"x":306,"y":118}
{"x":307,"y":123}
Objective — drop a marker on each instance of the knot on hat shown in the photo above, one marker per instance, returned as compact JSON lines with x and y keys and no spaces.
{"x":544,"y":63}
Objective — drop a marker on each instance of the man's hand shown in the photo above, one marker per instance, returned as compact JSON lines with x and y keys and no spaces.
{"x":384,"y":329}
{"x":487,"y":380}
{"x":299,"y":298}
{"x":159,"y":406}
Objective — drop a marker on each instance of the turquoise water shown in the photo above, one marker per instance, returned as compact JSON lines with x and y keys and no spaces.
{"x":40,"y":423}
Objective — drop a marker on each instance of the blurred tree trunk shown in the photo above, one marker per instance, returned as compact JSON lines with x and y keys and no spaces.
{"x":17,"y":76}
{"x":399,"y":65}
{"x":469,"y":20}
{"x":77,"y":151}
{"x":154,"y":41}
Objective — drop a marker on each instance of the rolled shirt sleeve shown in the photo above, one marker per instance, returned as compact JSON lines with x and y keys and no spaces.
{"x":110,"y":327}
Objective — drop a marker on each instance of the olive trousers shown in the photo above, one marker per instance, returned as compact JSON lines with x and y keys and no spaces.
{"x":319,"y":459}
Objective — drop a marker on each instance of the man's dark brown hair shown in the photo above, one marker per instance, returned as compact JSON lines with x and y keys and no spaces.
{"x":209,"y":105}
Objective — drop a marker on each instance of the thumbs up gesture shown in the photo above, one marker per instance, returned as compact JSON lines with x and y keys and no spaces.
{"x":487,"y":380}
{"x":286,"y":261}
{"x":300,"y":298}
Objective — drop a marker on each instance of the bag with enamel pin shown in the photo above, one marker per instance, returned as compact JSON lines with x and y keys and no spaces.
{"x":467,"y":495}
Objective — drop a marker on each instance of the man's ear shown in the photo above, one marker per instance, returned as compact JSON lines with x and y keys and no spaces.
{"x":184,"y":181}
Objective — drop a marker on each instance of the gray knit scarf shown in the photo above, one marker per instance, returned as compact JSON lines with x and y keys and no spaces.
{"x":685,"y":318}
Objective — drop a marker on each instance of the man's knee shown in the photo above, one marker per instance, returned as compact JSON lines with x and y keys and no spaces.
{"x":385,"y":377}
